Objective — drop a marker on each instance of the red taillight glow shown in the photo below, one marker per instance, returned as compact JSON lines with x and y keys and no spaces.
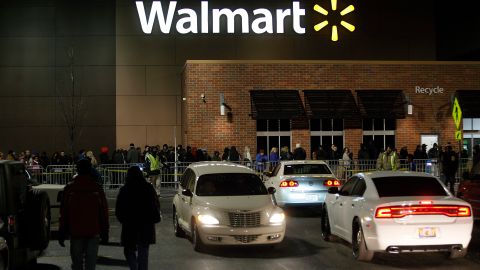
{"x":289,"y":183}
{"x":11,"y":224}
{"x":331,"y":183}
{"x":402,"y":211}
{"x":11,"y":221}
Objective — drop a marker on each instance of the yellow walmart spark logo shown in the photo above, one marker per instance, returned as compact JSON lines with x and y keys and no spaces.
{"x":324,"y":23}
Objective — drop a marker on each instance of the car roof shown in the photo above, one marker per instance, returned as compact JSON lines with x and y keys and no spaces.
{"x":293,"y":162}
{"x":213,"y":167}
{"x":377,"y":174}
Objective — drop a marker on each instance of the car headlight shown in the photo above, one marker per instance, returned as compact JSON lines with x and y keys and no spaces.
{"x":208,"y":220}
{"x":277,"y":218}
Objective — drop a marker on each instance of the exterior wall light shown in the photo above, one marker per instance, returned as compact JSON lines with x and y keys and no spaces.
{"x":409,"y":109}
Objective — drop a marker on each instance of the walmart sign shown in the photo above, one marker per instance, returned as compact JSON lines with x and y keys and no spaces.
{"x":189,"y":22}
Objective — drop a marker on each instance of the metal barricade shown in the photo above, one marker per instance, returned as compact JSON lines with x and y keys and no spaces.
{"x":113,"y":175}
{"x":58,"y":174}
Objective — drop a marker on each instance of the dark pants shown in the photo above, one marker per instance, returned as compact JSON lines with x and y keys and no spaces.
{"x":137,"y":257}
{"x":84,"y":253}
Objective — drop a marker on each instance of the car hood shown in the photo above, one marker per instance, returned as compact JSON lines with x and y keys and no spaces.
{"x":249,"y":203}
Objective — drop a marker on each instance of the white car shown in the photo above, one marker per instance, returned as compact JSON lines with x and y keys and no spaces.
{"x":301,"y":182}
{"x":221,"y":203}
{"x":397,"y":211}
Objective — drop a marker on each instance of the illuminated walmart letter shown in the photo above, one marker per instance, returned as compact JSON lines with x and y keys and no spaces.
{"x":217,"y":13}
{"x":297,"y":13}
{"x":281,"y":15}
{"x":191,"y":20}
{"x":204,"y":17}
{"x":156,"y":12}
{"x":266,"y":19}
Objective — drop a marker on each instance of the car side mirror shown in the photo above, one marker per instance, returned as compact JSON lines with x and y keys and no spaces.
{"x":271,"y":190}
{"x":268,"y":174}
{"x":333,"y":190}
{"x":187,"y":192}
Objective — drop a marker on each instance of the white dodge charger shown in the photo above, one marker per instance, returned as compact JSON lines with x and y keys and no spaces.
{"x":221,"y":203}
{"x":397,"y":212}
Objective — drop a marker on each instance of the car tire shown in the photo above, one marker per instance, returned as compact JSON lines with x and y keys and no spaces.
{"x":359,"y":247}
{"x":196,"y":240}
{"x":39,"y":217}
{"x":4,"y":259}
{"x":458,"y":254}
{"x":176,"y":226}
{"x":325,"y":225}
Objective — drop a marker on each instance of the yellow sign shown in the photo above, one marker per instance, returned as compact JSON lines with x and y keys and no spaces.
{"x":457,"y":113}
{"x":324,"y":23}
{"x":458,"y":135}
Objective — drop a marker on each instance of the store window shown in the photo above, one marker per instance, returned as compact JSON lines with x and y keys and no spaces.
{"x":325,"y":132}
{"x":471,"y":134}
{"x":273,"y":133}
{"x":380,"y":131}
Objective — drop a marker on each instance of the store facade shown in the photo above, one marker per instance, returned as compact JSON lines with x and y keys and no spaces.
{"x":339,"y":102}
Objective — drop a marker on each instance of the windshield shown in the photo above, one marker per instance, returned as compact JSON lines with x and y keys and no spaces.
{"x":306,"y":169}
{"x":408,"y":186}
{"x":230,"y":184}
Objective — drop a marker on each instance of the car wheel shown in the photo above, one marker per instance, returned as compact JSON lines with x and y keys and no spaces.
{"x":4,"y":259}
{"x":457,"y":254}
{"x":176,"y":226}
{"x":325,"y":225}
{"x":196,"y":240}
{"x":359,"y":247}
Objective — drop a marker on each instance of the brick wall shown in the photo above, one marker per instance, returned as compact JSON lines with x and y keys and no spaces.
{"x":205,"y":128}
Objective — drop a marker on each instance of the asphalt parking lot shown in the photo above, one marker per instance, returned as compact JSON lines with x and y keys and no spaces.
{"x":302,"y":248}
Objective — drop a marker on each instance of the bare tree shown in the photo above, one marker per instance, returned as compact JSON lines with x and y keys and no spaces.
{"x":71,"y":103}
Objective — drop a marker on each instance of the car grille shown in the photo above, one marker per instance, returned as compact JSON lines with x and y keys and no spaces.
{"x":244,"y":220}
{"x":245,"y":238}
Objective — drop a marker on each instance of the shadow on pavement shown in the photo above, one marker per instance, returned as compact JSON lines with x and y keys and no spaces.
{"x":111,"y":261}
{"x":303,"y":212}
{"x":290,"y":247}
{"x":42,"y":266}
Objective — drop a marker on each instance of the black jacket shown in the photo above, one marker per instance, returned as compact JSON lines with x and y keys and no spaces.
{"x":138,"y":209}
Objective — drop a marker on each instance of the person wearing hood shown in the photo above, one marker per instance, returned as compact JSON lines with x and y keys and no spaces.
{"x":138,"y":210}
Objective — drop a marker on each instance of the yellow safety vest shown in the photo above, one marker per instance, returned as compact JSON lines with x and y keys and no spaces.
{"x":154,"y":162}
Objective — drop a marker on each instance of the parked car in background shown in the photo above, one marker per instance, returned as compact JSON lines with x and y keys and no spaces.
{"x":397,"y":211}
{"x":301,"y":183}
{"x":469,"y":190}
{"x":24,"y":217}
{"x":222,"y":203}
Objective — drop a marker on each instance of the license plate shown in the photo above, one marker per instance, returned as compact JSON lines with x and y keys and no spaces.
{"x":311,"y":198}
{"x":427,"y":232}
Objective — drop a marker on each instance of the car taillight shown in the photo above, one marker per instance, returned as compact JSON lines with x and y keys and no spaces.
{"x":332,"y":183}
{"x":289,"y":183}
{"x":402,"y":211}
{"x":11,"y":224}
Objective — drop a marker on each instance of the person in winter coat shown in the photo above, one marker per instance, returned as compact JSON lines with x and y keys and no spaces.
{"x":450,"y":166}
{"x":233,"y":155}
{"x":299,"y":153}
{"x":138,"y":210}
{"x":83,"y":217}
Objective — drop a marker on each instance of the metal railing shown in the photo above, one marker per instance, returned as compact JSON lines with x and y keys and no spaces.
{"x":112,"y":176}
